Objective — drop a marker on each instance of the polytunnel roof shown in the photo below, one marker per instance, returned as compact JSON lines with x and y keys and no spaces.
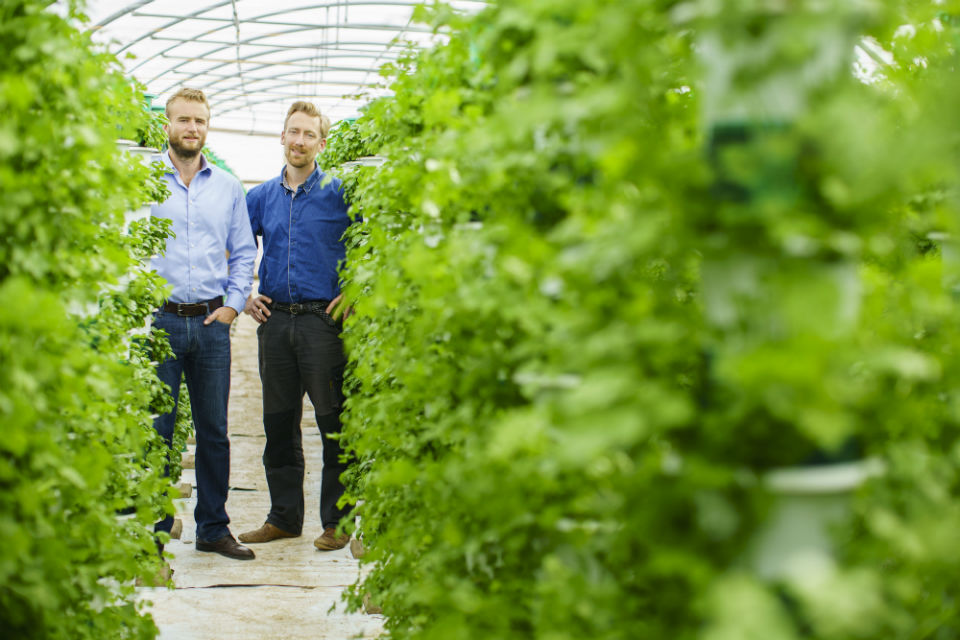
{"x":253,"y":58}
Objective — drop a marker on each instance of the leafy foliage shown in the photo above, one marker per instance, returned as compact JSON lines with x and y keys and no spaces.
{"x":151,"y":133}
{"x":622,"y":259}
{"x":77,"y":386}
{"x":182,"y":430}
{"x":345,"y":142}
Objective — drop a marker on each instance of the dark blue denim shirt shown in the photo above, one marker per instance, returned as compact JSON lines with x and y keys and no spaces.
{"x":302,"y":237}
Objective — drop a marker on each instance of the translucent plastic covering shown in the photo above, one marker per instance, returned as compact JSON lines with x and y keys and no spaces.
{"x":253,"y":58}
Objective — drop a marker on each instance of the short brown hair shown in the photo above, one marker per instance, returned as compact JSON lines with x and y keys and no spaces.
{"x":191,"y":95}
{"x":311,"y":110}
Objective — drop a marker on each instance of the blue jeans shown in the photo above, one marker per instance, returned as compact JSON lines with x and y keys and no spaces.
{"x":202,"y":354}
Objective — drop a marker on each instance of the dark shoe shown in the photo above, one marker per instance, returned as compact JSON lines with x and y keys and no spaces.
{"x":226,"y":546}
{"x":266,"y":533}
{"x":330,"y":541}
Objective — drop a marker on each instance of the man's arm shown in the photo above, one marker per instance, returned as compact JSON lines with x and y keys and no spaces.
{"x":254,"y":211}
{"x":243,"y":253}
{"x":256,"y":308}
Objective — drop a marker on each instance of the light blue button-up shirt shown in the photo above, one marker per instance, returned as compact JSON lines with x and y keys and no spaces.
{"x":209,"y":219}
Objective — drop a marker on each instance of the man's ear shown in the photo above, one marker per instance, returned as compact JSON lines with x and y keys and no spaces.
{"x":323,"y":145}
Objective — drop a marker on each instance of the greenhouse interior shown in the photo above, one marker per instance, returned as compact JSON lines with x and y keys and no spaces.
{"x":479,"y":320}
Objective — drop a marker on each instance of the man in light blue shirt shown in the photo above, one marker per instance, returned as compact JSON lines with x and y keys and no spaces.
{"x":210,"y":265}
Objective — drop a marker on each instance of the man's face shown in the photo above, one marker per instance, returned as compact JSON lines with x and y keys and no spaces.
{"x":301,"y":140}
{"x":187,"y":129}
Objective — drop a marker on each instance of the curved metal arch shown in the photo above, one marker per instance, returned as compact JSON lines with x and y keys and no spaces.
{"x":257,"y":20}
{"x":214,"y":90}
{"x":179,"y":41}
{"x":329,"y":5}
{"x":340,"y":53}
{"x":224,"y":76}
{"x":252,"y":40}
{"x":254,"y":55}
{"x":294,"y":61}
{"x":119,"y":14}
{"x":268,"y":101}
{"x":348,"y":4}
{"x":214,"y":104}
{"x":281,"y":96}
{"x":173,"y":23}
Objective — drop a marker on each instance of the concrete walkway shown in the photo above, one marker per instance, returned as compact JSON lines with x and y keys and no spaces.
{"x":288,"y":590}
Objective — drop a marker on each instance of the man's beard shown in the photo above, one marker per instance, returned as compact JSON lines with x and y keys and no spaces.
{"x":305,"y":160}
{"x":183,"y":152}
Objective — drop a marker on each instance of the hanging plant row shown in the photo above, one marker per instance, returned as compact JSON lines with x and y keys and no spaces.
{"x":627,"y":270}
{"x":77,"y":386}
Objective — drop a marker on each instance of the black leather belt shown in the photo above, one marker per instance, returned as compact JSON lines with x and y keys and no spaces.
{"x":316,"y":307}
{"x":189,"y":309}
{"x":307,"y":306}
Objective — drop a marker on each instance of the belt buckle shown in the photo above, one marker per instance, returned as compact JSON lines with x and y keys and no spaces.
{"x":296,"y":308}
{"x":183,"y":306}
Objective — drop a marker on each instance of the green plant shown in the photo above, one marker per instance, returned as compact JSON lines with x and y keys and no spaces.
{"x":150,"y":133}
{"x":602,"y":287}
{"x":77,"y":386}
{"x":182,"y":430}
{"x":344,"y":142}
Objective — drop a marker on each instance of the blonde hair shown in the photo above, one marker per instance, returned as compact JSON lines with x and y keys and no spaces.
{"x":311,"y":110}
{"x":190,"y":95}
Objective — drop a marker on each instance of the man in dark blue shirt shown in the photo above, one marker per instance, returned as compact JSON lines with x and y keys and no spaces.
{"x":301,"y":217}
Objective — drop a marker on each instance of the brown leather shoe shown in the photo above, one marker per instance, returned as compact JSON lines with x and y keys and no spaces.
{"x":266,"y":533}
{"x":330,"y":541}
{"x":227,"y":547}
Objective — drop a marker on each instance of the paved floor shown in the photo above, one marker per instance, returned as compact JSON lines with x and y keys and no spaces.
{"x":288,"y":590}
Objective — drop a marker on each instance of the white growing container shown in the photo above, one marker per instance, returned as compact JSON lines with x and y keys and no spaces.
{"x":808,"y":501}
{"x":363,"y":161}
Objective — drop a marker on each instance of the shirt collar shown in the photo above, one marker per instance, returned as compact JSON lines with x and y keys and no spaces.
{"x":308,"y":184}
{"x":165,"y":158}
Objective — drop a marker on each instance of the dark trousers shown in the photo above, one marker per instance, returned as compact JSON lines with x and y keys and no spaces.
{"x":300,"y":353}
{"x":202,"y":355}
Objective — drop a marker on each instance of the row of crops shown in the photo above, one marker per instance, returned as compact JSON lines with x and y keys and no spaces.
{"x":621,"y":261}
{"x":77,"y":383}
